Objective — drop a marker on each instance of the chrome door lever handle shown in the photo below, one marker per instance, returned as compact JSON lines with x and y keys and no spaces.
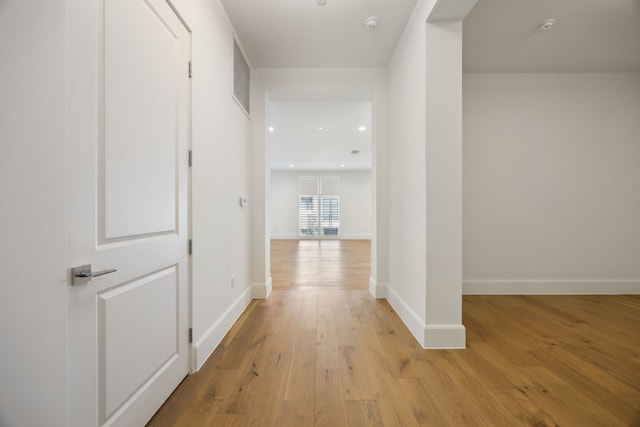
{"x":83,"y":274}
{"x":96,"y":274}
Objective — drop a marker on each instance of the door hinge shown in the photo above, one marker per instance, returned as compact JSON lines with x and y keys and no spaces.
{"x":190,"y":246}
{"x":190,"y":158}
{"x":190,"y":335}
{"x":190,"y":70}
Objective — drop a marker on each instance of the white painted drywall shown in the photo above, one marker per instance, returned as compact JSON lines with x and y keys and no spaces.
{"x":407,"y":112}
{"x":317,"y":84}
{"x":443,"y":122}
{"x":220,"y":172}
{"x":355,"y":203}
{"x":32,"y":214}
{"x":284,"y":205}
{"x":552,"y":183}
{"x":425,"y":78}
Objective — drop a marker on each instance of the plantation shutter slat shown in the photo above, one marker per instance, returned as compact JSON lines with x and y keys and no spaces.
{"x":319,"y":205}
{"x":308,"y":212}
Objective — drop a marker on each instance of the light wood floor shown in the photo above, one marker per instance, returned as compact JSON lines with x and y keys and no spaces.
{"x":321,"y":264}
{"x":337,"y":357}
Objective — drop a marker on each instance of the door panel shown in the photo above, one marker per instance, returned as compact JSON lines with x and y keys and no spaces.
{"x":139,"y":119}
{"x":128,"y":209}
{"x":131,"y":353}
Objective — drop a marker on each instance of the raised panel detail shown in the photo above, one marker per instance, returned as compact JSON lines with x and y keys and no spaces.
{"x":140,"y":129}
{"x":137,"y":335}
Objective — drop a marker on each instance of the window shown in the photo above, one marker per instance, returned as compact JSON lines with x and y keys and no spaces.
{"x":319,"y":206}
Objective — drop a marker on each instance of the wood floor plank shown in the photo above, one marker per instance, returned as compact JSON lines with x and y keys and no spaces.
{"x":363,"y":413}
{"x":423,"y":406}
{"x":355,"y":383}
{"x":297,"y":413}
{"x":524,"y":409}
{"x":565,"y":404}
{"x":593,"y":383}
{"x":327,"y":383}
{"x":475,"y":392}
{"x":330,"y":414}
{"x":301,"y":379}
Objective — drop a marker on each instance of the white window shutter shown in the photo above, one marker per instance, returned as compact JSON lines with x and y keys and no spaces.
{"x":319,"y":206}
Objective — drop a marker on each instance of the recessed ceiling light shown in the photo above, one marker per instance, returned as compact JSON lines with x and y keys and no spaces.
{"x":362,"y":128}
{"x":342,"y":165}
{"x":547,"y":24}
{"x":320,"y":128}
{"x":292,"y":166}
{"x":271,"y":129}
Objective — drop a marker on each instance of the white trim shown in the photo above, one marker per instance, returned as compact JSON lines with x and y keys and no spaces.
{"x":429,"y":336}
{"x":407,"y":315}
{"x":284,"y":236}
{"x":205,"y":346}
{"x":262,"y":290}
{"x":445,"y":336}
{"x":445,"y":10}
{"x":551,"y":287}
{"x":355,"y":237}
{"x":342,"y":237}
{"x":378,"y":290}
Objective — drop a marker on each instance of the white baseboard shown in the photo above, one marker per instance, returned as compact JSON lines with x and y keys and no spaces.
{"x":429,"y":336}
{"x":445,"y":336}
{"x":551,"y":287}
{"x":407,"y":315}
{"x":356,"y":237}
{"x":342,"y":237}
{"x":378,"y":290}
{"x":262,"y":290}
{"x":204,"y":347}
{"x":284,"y":237}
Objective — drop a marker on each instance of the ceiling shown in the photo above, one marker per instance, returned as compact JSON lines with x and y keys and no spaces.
{"x":320,"y":135}
{"x":499,"y":36}
{"x":589,"y":36}
{"x":301,"y":33}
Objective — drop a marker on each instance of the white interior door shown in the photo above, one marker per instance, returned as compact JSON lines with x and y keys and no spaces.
{"x":128,"y":180}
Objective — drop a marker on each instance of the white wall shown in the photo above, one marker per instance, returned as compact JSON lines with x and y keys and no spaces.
{"x":355,"y":203}
{"x":317,"y":84}
{"x":219,"y":178}
{"x":284,"y":205}
{"x":552,"y":183}
{"x":32,"y":214}
{"x":425,"y":80}
{"x":407,"y":111}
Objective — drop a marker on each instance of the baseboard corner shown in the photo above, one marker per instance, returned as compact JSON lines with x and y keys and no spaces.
{"x":262,"y":290}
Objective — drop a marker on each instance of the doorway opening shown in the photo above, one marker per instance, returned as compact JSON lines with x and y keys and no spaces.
{"x":322,"y":192}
